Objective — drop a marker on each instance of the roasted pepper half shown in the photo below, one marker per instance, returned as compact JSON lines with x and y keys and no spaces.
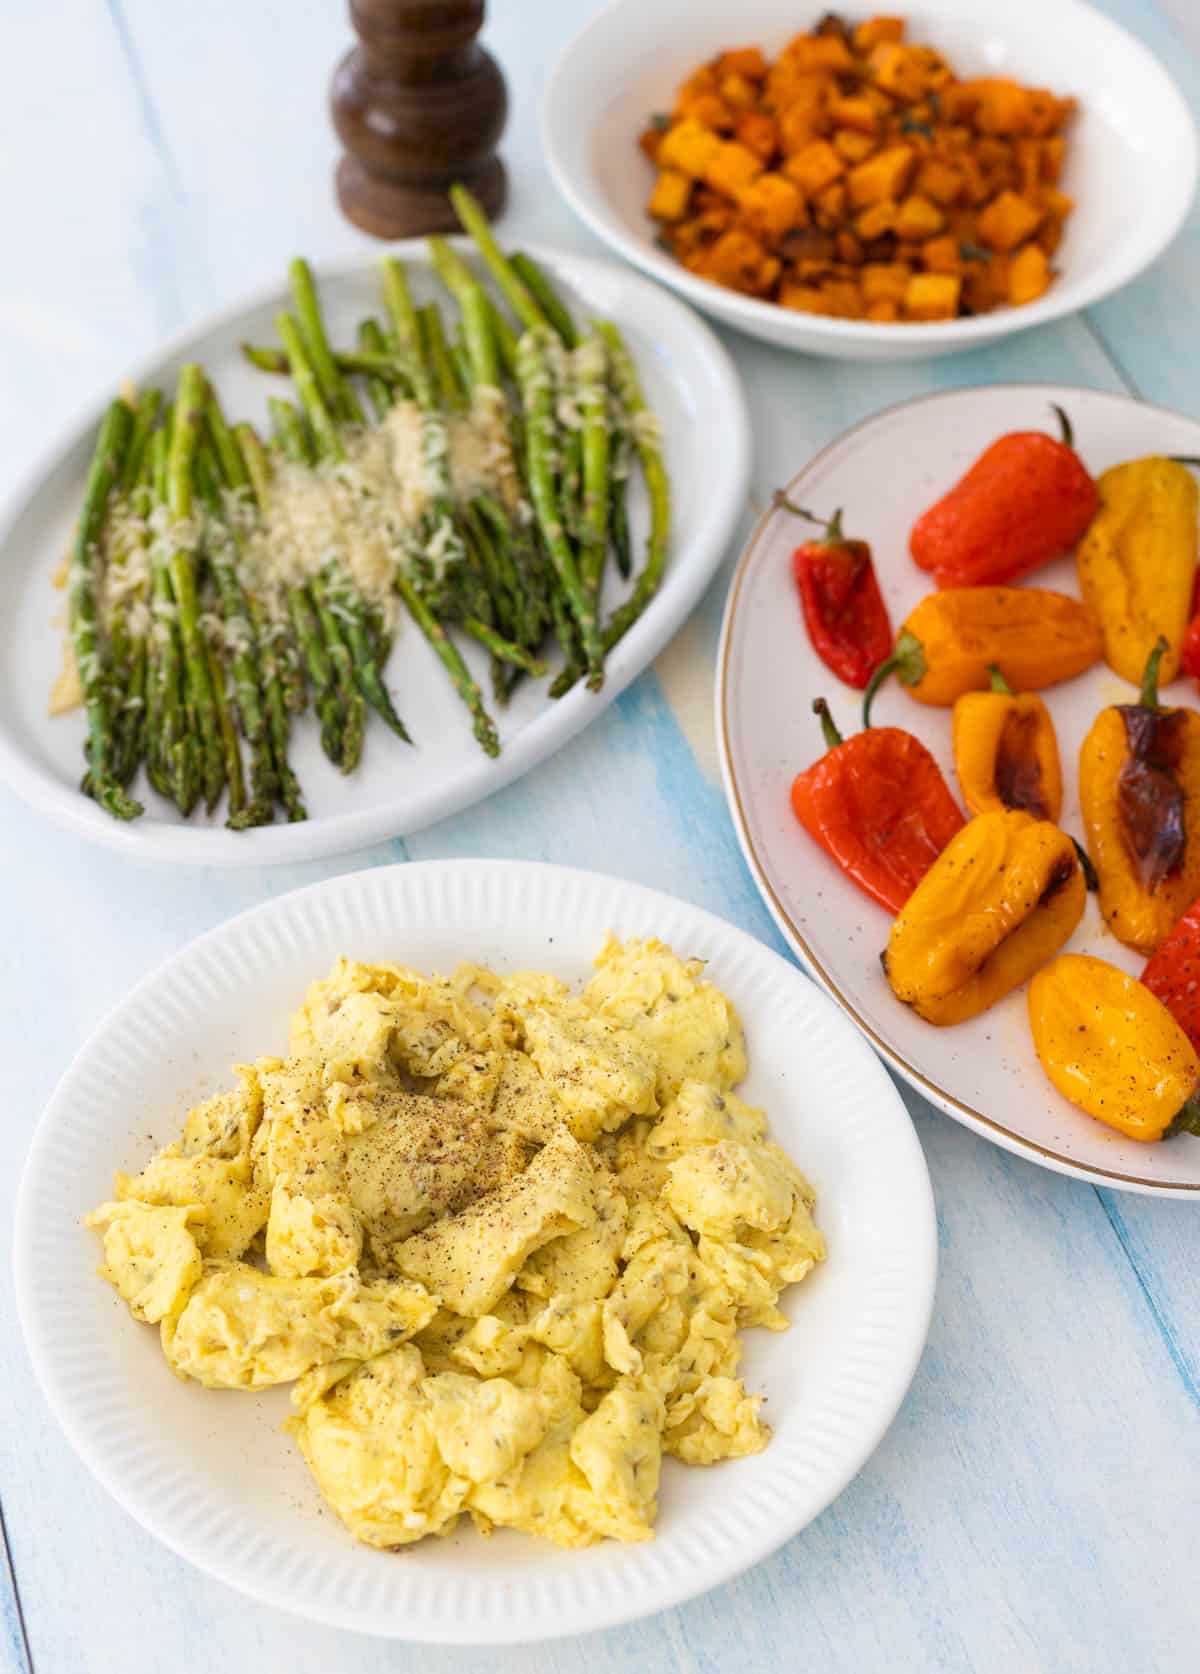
{"x":1172,"y":973}
{"x":844,"y":612}
{"x":950,"y":643}
{"x":999,"y":901}
{"x":1006,"y":752}
{"x":1137,"y":563}
{"x":1139,"y":794}
{"x":1027,"y":499}
{"x":879,"y":806}
{"x":1112,"y":1048}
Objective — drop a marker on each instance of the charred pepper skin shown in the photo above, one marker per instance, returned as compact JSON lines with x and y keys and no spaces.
{"x":1139,"y":795}
{"x":1001,"y":899}
{"x":1006,"y":752}
{"x":1137,"y":563}
{"x":878,"y":805}
{"x":1113,"y":1049}
{"x":1027,"y":499}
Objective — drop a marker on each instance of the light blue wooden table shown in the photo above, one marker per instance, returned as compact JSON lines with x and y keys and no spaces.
{"x":1035,"y":1509}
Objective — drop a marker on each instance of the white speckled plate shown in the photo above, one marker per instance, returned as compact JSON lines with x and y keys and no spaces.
{"x":884,"y":472}
{"x":689,"y":382}
{"x":210,"y":1475}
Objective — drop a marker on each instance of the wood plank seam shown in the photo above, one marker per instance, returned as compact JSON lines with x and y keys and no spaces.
{"x":1111,"y":356}
{"x":1170,"y":1340}
{"x":145,"y":100}
{"x":16,"y":1628}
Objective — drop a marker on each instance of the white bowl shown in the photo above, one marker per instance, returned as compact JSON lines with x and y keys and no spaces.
{"x":210,"y":1474}
{"x":1131,"y":166}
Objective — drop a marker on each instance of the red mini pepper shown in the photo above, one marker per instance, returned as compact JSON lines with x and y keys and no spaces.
{"x":1027,"y":499}
{"x":844,"y":612}
{"x":878,"y":805}
{"x":1173,"y":973}
{"x":1189,"y":649}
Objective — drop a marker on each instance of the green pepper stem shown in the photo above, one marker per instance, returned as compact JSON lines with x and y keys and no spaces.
{"x":831,"y":525}
{"x":828,"y":725}
{"x":998,"y":682}
{"x":1188,"y":1118}
{"x":907,"y":660}
{"x":1068,"y":429}
{"x":1149,"y":697}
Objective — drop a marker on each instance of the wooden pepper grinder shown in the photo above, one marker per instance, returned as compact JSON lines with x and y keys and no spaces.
{"x":418,"y":105}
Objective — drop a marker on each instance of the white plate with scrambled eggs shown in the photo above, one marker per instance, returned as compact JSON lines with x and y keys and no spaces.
{"x":486,"y":1251}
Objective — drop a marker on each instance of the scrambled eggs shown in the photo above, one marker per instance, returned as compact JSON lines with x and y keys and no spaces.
{"x":500,"y":1237}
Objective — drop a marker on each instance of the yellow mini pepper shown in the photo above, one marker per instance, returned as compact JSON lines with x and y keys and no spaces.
{"x":1139,"y":794}
{"x":1137,"y":562}
{"x":949,"y":644}
{"x":998,"y":902}
{"x":1112,"y":1048}
{"x":1006,"y":752}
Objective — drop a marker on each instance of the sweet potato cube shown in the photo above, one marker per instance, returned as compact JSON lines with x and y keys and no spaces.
{"x":884,"y":312}
{"x":819,"y":52}
{"x":843,"y":298}
{"x":814,"y":168}
{"x":738,"y":92}
{"x":1054,"y":149}
{"x":848,"y":248}
{"x":688,"y":147}
{"x":883,"y":176}
{"x":802,"y":115}
{"x":731,"y":167}
{"x":830,"y":205}
{"x":1004,"y":108}
{"x":872,"y":223}
{"x":1028,"y":275}
{"x":709,"y":109}
{"x":900,"y":70}
{"x":739,"y":261}
{"x":757,"y":132}
{"x":884,"y":281}
{"x":1008,"y":221}
{"x":876,"y":29}
{"x":938,"y":180}
{"x":771,"y":206}
{"x":918,"y":219}
{"x":649,"y":141}
{"x":742,"y":61}
{"x":932,"y":296}
{"x":852,"y":145}
{"x":854,"y":112}
{"x":806,"y":299}
{"x":941,"y":255}
{"x":669,"y":199}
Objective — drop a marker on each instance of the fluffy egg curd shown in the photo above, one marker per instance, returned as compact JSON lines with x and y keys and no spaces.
{"x":499,"y":1236}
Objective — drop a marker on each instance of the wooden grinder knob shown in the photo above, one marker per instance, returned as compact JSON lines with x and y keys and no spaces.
{"x":418,"y":105}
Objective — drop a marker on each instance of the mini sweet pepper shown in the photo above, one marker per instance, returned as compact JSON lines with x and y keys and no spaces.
{"x":1006,"y":751}
{"x":844,"y":612}
{"x":950,"y":643}
{"x":1000,"y":900}
{"x":1027,"y":499}
{"x":1173,"y":973}
{"x":1137,"y":562}
{"x":878,"y":805}
{"x":1139,"y":794}
{"x":1112,"y":1048}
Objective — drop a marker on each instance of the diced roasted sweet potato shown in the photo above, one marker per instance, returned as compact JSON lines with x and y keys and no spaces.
{"x":739,"y":261}
{"x":878,"y":219}
{"x":941,"y":255}
{"x":852,"y":145}
{"x":738,"y":92}
{"x":854,"y":111}
{"x":815,"y":167}
{"x":885,"y":311}
{"x":771,"y":206}
{"x":649,"y":141}
{"x":906,"y":72}
{"x":819,"y":52}
{"x":1054,"y":149}
{"x":885,"y":175}
{"x":1028,"y":275}
{"x":742,"y":61}
{"x":731,"y":167}
{"x":709,"y":109}
{"x":938,"y":180}
{"x":807,"y":299}
{"x":829,"y":206}
{"x":804,"y":114}
{"x":848,"y":248}
{"x":669,"y":199}
{"x":931,"y":296}
{"x":918,"y":219}
{"x":843,"y":298}
{"x":1008,"y":221}
{"x":885,"y":281}
{"x":688,"y":147}
{"x":758,"y":133}
{"x":876,"y":29}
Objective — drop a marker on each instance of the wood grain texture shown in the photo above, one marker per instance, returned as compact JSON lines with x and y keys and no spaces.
{"x":1032,"y":1510}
